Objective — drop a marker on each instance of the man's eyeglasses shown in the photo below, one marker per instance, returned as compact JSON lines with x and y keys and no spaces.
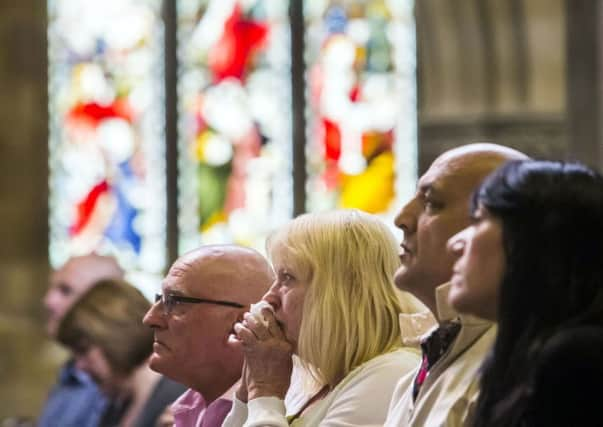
{"x":170,"y":301}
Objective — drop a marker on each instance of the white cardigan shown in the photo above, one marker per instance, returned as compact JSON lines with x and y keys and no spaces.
{"x":361,"y":398}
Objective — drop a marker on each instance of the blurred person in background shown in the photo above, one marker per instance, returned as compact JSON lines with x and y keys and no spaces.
{"x":75,"y":400}
{"x":104,"y":331}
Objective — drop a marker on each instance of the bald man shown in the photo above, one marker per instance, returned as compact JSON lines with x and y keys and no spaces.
{"x":75,"y":401}
{"x":442,"y":391}
{"x":204,"y":294}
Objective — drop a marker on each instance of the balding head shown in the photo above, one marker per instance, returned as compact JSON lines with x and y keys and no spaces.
{"x":72,"y":280}
{"x":191,"y":339}
{"x":440,"y":209}
{"x":226,"y":270}
{"x":473,"y":162}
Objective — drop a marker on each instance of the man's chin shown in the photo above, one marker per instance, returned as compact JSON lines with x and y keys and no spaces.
{"x":155,"y":363}
{"x":401,"y":278}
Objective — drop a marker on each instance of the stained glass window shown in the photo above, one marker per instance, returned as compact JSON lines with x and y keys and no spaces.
{"x":107,"y":171}
{"x":106,"y":87}
{"x":361,"y":98}
{"x":235,"y":120}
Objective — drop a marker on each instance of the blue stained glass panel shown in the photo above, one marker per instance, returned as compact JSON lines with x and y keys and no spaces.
{"x":106,"y":104}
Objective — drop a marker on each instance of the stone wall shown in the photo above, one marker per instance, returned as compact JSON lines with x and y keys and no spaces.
{"x":492,"y":71}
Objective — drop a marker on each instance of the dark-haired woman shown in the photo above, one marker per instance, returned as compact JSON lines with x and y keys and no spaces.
{"x":533,"y":261}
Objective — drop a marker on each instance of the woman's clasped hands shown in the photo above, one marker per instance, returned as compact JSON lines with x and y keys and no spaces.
{"x":268,"y":357}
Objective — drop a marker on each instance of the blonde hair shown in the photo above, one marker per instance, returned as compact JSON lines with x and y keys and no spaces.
{"x":350,"y":313}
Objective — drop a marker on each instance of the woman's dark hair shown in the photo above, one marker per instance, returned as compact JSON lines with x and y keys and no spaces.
{"x":109,"y":316}
{"x":552,"y":220}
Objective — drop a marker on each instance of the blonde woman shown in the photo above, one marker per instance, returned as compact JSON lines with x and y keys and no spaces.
{"x":335,"y":306}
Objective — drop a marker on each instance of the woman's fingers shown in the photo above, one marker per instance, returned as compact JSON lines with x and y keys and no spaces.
{"x":268,"y":363}
{"x":273,"y":327}
{"x":245,"y":335}
{"x":253,"y":329}
{"x":255,"y":326}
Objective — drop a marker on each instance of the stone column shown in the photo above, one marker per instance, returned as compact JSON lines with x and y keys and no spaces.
{"x":28,"y":360}
{"x":585,"y":80}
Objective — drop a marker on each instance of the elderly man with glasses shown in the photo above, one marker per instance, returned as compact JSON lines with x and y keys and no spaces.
{"x":204,"y":294}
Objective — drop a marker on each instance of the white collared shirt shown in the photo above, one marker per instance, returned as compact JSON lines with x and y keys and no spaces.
{"x":448,"y":395}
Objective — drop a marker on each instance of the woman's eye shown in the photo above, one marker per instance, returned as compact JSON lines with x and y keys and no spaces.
{"x":431,"y":205}
{"x":286,"y":277}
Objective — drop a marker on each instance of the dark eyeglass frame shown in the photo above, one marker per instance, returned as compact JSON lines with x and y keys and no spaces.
{"x":170,"y":300}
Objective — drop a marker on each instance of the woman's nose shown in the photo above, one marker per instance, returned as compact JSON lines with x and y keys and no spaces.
{"x":272,"y":297}
{"x":456,"y":244}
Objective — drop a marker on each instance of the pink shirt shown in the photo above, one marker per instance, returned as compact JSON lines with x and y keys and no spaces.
{"x":191,"y":410}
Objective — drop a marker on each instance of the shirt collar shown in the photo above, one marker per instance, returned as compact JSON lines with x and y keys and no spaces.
{"x":71,"y":374}
{"x":446,"y":313}
{"x":416,"y":327}
{"x":188,"y":401}
{"x":193,"y":400}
